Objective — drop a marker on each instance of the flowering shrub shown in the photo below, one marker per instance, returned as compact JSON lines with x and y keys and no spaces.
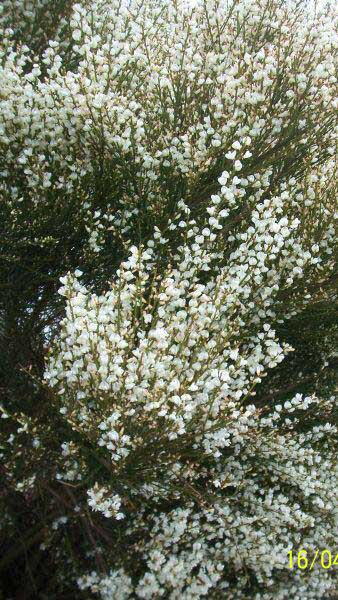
{"x":156,"y":375}
{"x":175,"y":162}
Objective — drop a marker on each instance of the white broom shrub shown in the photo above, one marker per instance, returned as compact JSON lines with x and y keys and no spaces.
{"x":156,"y":376}
{"x":201,"y":136}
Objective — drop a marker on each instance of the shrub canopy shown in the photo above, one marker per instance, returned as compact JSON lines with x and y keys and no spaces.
{"x":168,"y":420}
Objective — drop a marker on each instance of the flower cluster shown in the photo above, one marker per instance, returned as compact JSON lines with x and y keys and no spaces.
{"x":108,"y":506}
{"x":276,"y":491}
{"x":165,"y":112}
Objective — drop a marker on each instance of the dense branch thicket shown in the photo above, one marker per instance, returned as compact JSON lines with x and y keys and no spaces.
{"x":168,"y":414}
